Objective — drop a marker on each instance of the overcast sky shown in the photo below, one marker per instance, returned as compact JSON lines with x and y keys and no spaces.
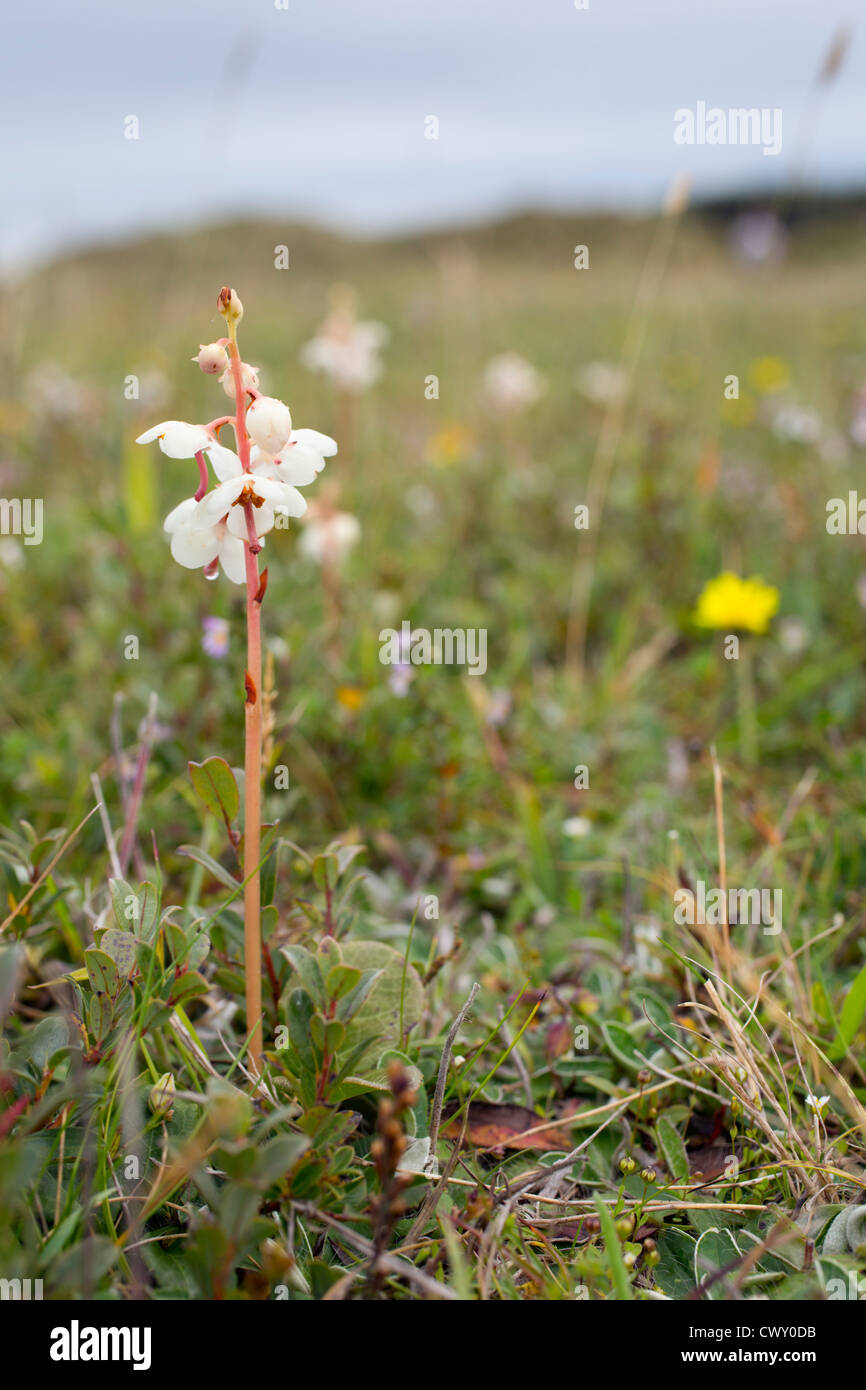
{"x":318,"y":110}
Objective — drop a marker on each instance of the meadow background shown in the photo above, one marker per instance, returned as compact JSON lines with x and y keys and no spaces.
{"x":556,"y":900}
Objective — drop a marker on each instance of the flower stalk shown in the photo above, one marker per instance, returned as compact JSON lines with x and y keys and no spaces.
{"x":223,"y":528}
{"x":252,"y":738}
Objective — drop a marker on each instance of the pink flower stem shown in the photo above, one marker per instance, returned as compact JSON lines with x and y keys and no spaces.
{"x":252,"y":749}
{"x":202,"y":476}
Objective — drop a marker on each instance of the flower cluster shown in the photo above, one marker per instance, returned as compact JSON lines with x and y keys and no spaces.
{"x":255,"y":485}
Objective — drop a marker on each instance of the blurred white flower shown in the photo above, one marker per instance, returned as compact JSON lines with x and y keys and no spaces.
{"x":796,"y":423}
{"x":11,"y":553}
{"x":328,"y":536}
{"x":793,"y":635}
{"x":511,"y":384}
{"x":576,"y":827}
{"x":346,"y":350}
{"x":499,"y":708}
{"x":53,"y":392}
{"x":601,"y":382}
{"x":857,"y":428}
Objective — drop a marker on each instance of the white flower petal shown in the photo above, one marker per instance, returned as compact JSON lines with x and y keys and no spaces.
{"x":269,"y":423}
{"x":215,"y":504}
{"x":232,"y":558}
{"x":312,"y":439}
{"x":285,"y":499}
{"x":264,"y":516}
{"x":225,"y":462}
{"x":262,"y":465}
{"x":179,"y":515}
{"x":177,"y":439}
{"x":299,"y":466}
{"x":192,"y":549}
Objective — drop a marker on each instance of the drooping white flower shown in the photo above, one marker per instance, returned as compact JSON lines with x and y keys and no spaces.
{"x":177,"y":439}
{"x":196,"y":545}
{"x":512,"y":384}
{"x":299,"y":461}
{"x":249,"y":379}
{"x":267,"y":495}
{"x":269,"y":424}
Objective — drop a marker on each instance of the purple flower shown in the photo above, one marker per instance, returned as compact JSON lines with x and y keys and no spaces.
{"x":215,"y":637}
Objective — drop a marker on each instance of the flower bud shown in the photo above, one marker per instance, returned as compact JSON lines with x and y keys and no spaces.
{"x":230,"y":305}
{"x":161,"y":1096}
{"x":269,"y":424}
{"x":212,"y":358}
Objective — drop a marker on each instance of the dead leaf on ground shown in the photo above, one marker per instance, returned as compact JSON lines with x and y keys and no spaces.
{"x":505,"y":1126}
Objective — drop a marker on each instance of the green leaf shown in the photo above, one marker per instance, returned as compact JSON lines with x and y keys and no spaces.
{"x":49,"y":1036}
{"x":304,"y":963}
{"x":268,"y":876}
{"x":187,"y":986}
{"x":120,"y":945}
{"x":208,"y":862}
{"x":341,"y":980}
{"x":125,"y":903}
{"x":378,"y":1016}
{"x":673,"y":1150}
{"x":135,"y":910}
{"x":853,"y":1009}
{"x":326,"y":871}
{"x":618,"y":1272}
{"x":101,"y":971}
{"x":299,"y":1014}
{"x":622,"y":1046}
{"x":279,"y":1156}
{"x":216,"y":786}
{"x":323,"y":1277}
{"x":13,"y":959}
{"x":675,"y":1272}
{"x":99,"y":1016}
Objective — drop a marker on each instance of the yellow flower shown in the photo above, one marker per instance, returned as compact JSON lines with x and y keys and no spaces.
{"x":450,"y":445}
{"x":350,"y":697}
{"x":769,"y":374}
{"x":733,"y":603}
